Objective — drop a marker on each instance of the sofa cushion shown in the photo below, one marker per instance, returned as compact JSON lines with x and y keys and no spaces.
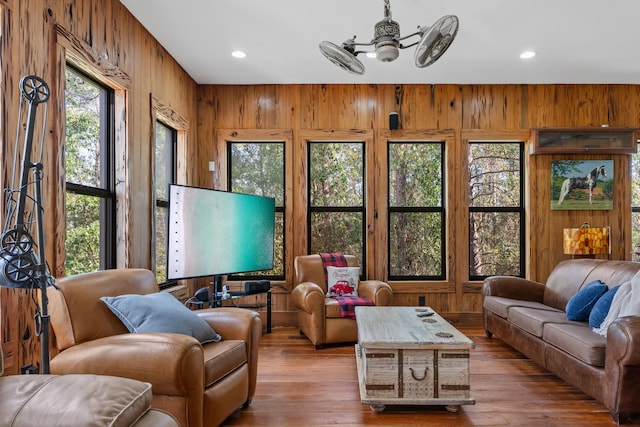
{"x":601,"y":308}
{"x":580,"y":305}
{"x":501,"y":305}
{"x":578,"y":340}
{"x":222,"y":358}
{"x":159,"y":312}
{"x":72,"y":400}
{"x":533,"y":320}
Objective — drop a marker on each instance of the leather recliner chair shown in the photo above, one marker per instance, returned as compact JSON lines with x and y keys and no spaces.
{"x":200,"y":385}
{"x":318,"y":316}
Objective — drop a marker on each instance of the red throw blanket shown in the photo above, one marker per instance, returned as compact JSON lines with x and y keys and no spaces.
{"x":335,"y":259}
{"x":348,"y":305}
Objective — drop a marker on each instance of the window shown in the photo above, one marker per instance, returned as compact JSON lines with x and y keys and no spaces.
{"x":165,"y":174}
{"x":336,"y":201}
{"x":258,"y":168}
{"x":89,"y":174}
{"x":496,"y":211}
{"x":416,"y":211}
{"x":635,"y":205}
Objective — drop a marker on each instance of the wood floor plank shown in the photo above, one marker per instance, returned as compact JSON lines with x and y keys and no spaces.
{"x":301,"y":386}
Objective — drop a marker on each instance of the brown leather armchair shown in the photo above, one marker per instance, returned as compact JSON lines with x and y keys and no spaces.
{"x":318,"y":316}
{"x":200,"y":385}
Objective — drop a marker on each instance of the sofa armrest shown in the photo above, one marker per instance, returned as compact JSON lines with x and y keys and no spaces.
{"x":172,"y":363}
{"x":378,"y":292}
{"x":234,"y":323}
{"x":513,"y":287}
{"x":308,"y":297}
{"x":622,"y":365}
{"x":623,"y":341}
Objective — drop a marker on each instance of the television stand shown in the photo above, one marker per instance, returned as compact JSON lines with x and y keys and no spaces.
{"x":234,"y":298}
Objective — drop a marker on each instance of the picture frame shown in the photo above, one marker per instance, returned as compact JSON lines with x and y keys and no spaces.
{"x":582,"y":184}
{"x":618,"y":140}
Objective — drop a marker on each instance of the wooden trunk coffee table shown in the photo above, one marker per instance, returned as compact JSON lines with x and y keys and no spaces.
{"x":405,"y":357}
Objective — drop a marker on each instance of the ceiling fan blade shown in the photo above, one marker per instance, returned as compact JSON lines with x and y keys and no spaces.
{"x":342,"y":57}
{"x":436,"y":40}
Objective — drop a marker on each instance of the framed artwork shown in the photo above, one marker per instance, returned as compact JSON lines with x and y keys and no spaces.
{"x":584,"y":140}
{"x":582,"y":184}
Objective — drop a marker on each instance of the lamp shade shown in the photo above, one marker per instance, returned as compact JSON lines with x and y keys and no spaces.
{"x":587,"y":240}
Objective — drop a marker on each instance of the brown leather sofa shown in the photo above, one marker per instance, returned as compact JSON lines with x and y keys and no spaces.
{"x":319,"y":317}
{"x":78,"y":401}
{"x":200,"y":385}
{"x":531,"y":317}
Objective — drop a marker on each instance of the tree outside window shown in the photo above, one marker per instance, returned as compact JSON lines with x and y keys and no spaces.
{"x":258,"y":168}
{"x":416,"y":211}
{"x":90,"y":196}
{"x":496,"y":211}
{"x":165,"y":172}
{"x":336,"y":209}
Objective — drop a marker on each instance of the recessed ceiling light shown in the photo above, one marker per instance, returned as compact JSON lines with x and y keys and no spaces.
{"x":527,"y":54}
{"x":371,"y":55}
{"x":238,"y":54}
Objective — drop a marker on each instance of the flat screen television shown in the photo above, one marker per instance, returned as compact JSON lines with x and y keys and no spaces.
{"x":213,"y":233}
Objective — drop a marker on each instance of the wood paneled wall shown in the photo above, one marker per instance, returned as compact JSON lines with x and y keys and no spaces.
{"x":38,"y":36}
{"x":103,"y":38}
{"x":468,"y":113}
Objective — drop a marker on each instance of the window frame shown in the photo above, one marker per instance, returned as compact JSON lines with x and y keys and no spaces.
{"x":106,"y":193}
{"x":521,"y":209}
{"x":310,"y":210}
{"x":278,"y":209}
{"x":161,"y":203}
{"x":424,"y":209}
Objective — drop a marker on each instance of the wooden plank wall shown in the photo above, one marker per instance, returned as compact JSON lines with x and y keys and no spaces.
{"x":37,"y":35}
{"x":468,"y":112}
{"x":108,"y":43}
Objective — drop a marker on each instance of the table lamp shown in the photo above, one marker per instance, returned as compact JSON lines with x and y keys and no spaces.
{"x":586,"y":241}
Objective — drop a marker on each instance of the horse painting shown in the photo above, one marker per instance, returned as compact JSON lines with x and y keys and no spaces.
{"x":588,"y":182}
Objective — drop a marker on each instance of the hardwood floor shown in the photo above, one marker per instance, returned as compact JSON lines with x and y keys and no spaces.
{"x":301,"y":386}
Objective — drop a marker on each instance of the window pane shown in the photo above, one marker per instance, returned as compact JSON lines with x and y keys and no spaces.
{"x":415,"y":243}
{"x":416,"y":212}
{"x":337,"y":232}
{"x":495,"y":242}
{"x":415,"y":174}
{"x":83,"y":131}
{"x":83,"y":233}
{"x":88,"y":154}
{"x":258,"y":168}
{"x":635,"y":205}
{"x":161,"y":244}
{"x":164,"y":160}
{"x":494,"y":175}
{"x":336,"y":174}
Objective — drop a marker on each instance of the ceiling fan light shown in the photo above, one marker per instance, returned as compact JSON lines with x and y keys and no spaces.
{"x":387,"y":51}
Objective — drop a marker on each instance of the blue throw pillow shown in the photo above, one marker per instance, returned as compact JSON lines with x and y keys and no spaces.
{"x":601,"y":309}
{"x":159,"y":312}
{"x":580,"y":305}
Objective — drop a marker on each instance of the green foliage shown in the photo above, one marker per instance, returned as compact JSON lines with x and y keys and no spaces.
{"x":494,"y":218}
{"x":82,"y":242}
{"x":82,"y":166}
{"x":258,"y":168}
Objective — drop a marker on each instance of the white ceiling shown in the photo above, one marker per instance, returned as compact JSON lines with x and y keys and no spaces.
{"x":577,"y":41}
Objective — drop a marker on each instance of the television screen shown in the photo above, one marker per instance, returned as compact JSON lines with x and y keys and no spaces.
{"x":214,"y":232}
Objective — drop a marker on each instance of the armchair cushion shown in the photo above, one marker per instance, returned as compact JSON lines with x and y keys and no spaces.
{"x":160,"y":312}
{"x":342,"y":281}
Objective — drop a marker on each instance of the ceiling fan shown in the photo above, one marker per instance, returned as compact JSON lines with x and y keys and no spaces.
{"x":433,"y":42}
